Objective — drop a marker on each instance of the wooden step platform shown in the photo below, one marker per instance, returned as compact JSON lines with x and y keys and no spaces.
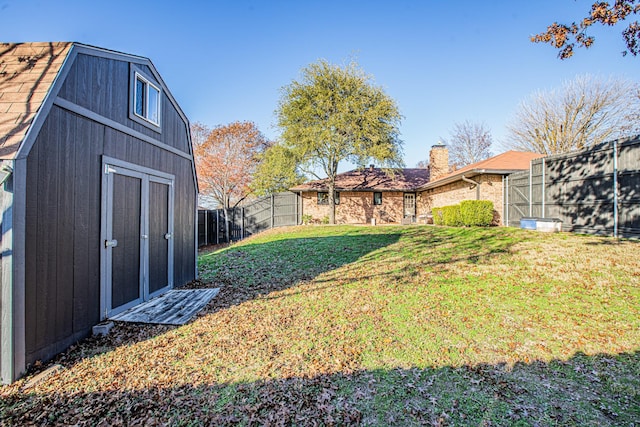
{"x":175,"y":307}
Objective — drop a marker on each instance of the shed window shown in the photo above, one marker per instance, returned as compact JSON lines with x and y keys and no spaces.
{"x":146,"y":100}
{"x":377,"y":198}
{"x":323,"y":198}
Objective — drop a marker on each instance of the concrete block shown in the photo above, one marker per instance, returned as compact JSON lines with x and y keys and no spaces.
{"x":102,"y":329}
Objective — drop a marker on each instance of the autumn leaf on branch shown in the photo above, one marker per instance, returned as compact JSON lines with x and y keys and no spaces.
{"x":566,"y":37}
{"x":226,"y":161}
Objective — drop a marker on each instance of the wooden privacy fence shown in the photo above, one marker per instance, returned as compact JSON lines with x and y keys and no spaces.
{"x":595,"y":191}
{"x":277,"y":210}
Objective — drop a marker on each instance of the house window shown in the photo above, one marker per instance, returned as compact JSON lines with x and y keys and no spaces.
{"x":146,"y":99}
{"x":323,"y":198}
{"x":377,"y":198}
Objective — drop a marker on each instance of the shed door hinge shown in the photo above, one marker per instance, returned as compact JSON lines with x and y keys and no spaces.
{"x":109,"y":169}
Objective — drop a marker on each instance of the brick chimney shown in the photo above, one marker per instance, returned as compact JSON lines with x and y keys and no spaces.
{"x":438,"y":161}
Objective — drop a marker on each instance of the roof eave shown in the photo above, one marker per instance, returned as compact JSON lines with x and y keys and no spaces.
{"x":468,"y":174}
{"x":355,"y":190}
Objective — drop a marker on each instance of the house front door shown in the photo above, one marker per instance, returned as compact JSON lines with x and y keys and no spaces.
{"x":137,"y":236}
{"x":409,"y":206}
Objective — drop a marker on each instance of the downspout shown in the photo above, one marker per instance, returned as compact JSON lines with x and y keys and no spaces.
{"x":475,"y":184}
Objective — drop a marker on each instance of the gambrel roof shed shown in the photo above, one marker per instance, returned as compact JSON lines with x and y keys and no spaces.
{"x":98,"y":194}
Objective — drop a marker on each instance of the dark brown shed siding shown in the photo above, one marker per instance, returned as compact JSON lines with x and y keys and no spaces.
{"x":102,"y":85}
{"x":130,"y":149}
{"x":63,"y":205}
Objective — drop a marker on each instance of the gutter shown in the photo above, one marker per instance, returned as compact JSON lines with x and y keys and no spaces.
{"x":467,"y":174}
{"x":355,"y":190}
{"x":474,"y":184}
{"x":435,"y":184}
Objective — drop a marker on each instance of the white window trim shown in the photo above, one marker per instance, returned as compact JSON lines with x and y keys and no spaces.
{"x":145,"y":80}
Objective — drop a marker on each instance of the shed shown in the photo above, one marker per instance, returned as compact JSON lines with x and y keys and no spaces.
{"x":98,"y":194}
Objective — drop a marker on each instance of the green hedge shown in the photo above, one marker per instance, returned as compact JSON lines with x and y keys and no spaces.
{"x":451,"y":216}
{"x":477,"y":213}
{"x":468,"y":213}
{"x":436,"y":213}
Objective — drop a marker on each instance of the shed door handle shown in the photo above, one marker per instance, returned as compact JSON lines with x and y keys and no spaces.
{"x":110,"y":243}
{"x":168,"y":236}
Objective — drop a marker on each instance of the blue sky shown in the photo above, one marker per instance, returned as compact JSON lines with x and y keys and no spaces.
{"x":443,"y":62}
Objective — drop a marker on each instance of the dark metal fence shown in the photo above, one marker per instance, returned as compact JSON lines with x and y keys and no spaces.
{"x":595,"y":191}
{"x":277,"y":210}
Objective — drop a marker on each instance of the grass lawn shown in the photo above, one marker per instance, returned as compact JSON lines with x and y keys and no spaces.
{"x":363,"y":325}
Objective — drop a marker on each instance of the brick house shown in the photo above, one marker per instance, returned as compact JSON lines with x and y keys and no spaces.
{"x":478,"y":181}
{"x":407,"y":195}
{"x":363,"y":195}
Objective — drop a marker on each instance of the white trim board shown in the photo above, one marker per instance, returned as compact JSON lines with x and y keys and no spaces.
{"x":84,"y":112}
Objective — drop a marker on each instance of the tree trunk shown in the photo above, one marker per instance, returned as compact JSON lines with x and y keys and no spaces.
{"x":332,"y":203}
{"x":225,"y":209}
{"x":226,"y":225}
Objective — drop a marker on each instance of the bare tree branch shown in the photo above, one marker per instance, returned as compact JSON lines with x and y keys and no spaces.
{"x":469,"y":143}
{"x":583,"y":112}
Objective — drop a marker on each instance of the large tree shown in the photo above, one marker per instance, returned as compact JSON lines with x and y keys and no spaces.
{"x":199,"y":133}
{"x":333,"y":114}
{"x":469,"y":143}
{"x":566,"y":36}
{"x":583,"y":112}
{"x":226,"y":161}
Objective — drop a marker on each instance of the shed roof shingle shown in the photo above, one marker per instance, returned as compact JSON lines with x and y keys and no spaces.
{"x":27,"y":71}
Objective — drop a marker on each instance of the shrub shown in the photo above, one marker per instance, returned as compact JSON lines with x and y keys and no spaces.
{"x":325,"y":220}
{"x":476,"y":213}
{"x":306,"y":219}
{"x":436,"y":213}
{"x":451,"y":216}
{"x":469,"y":213}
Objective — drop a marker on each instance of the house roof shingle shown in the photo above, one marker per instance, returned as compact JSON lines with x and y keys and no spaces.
{"x":418,"y":179}
{"x":368,"y":179}
{"x":504,"y":163}
{"x":27,"y":72}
